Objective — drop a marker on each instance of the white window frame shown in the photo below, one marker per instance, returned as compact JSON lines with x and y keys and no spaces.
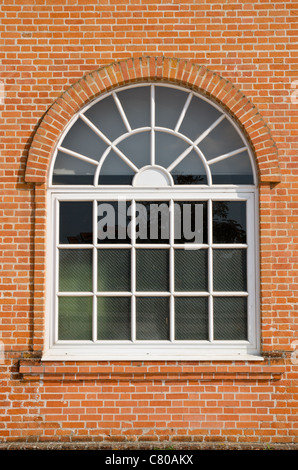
{"x":154,"y":350}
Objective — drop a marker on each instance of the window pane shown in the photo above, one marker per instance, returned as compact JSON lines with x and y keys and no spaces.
{"x":113,"y":219}
{"x":152,"y":270}
{"x":168,"y":147}
{"x":199,"y":117}
{"x":191,"y":270}
{"x":152,"y":315}
{"x":190,"y":171}
{"x":81,"y":139}
{"x":233,"y":170}
{"x":75,"y":222}
{"x":71,"y":170}
{"x":190,"y":221}
{"x":136,"y":105}
{"x":115,"y":171}
{"x":113,"y":318}
{"x":106,"y":117}
{"x":191,"y":318}
{"x":75,"y":318}
{"x":229,"y":222}
{"x":169,"y":103}
{"x":75,"y":270}
{"x":223,"y":139}
{"x":137,"y":148}
{"x":113,"y":270}
{"x":229,"y":270}
{"x":230,"y":318}
{"x":152,"y":222}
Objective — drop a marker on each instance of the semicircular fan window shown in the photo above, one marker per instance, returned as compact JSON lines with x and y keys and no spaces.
{"x":152,"y":135}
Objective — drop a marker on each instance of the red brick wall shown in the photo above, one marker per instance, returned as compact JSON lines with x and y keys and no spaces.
{"x":47,"y":46}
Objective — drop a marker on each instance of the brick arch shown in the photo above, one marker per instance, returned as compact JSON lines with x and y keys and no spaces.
{"x":178,"y":71}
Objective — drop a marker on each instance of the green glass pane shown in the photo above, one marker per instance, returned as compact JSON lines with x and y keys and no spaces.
{"x":75,"y":318}
{"x":152,"y":314}
{"x":191,"y":270}
{"x":75,"y":270}
{"x":230,"y":318}
{"x":113,"y":318}
{"x":229,"y":270}
{"x":191,"y":318}
{"x":152,"y":269}
{"x":113,"y":270}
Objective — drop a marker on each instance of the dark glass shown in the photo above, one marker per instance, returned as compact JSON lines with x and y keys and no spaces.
{"x":113,"y":222}
{"x":113,"y":270}
{"x":191,"y":270}
{"x":152,"y":270}
{"x":190,"y":170}
{"x":186,"y":222}
{"x":229,"y":222}
{"x":115,"y":171}
{"x":152,"y":314}
{"x":152,"y":222}
{"x":113,"y":318}
{"x":229,"y":270}
{"x":71,"y":170}
{"x":230,"y":318}
{"x":75,"y":222}
{"x":191,"y":318}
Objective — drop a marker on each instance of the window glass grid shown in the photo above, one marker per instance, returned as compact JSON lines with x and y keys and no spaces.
{"x":173,"y":295}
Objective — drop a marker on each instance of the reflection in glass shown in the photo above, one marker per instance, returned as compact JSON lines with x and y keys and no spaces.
{"x":75,"y":318}
{"x":199,"y":117}
{"x":233,"y":170}
{"x":152,"y":315}
{"x":136,"y":105}
{"x":229,"y":222}
{"x":191,"y":318}
{"x":75,"y":222}
{"x":71,"y":170}
{"x":115,"y":171}
{"x":152,"y":222}
{"x":169,"y":103}
{"x":113,"y":318}
{"x":221,"y":140}
{"x":190,"y":220}
{"x":190,"y":171}
{"x":113,"y":219}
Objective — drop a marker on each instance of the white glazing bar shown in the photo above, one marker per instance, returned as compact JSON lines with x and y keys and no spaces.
{"x":75,"y":294}
{"x":183,"y":112}
{"x":210,"y":272}
{"x":172,"y":274}
{"x":133,"y":270}
{"x":226,"y":155}
{"x":152,"y":121}
{"x":114,"y":294}
{"x":121,"y":111}
{"x":94,"y":272}
{"x":108,"y":142}
{"x":78,"y":155}
{"x":180,"y":158}
{"x":210,"y":129}
{"x":230,"y":294}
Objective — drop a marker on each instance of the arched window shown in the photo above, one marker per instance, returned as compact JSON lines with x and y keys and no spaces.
{"x":153,"y":246}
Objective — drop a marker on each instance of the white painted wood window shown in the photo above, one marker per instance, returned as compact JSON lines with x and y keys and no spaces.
{"x":152,"y":235}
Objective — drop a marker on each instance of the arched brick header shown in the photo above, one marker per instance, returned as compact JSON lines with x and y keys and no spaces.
{"x":179,"y":71}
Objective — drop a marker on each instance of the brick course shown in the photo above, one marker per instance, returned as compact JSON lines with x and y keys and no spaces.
{"x":57,"y":56}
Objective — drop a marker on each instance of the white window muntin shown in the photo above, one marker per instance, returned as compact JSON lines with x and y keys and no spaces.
{"x":81,"y":350}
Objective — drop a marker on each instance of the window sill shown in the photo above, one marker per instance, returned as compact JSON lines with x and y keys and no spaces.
{"x":162,"y":371}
